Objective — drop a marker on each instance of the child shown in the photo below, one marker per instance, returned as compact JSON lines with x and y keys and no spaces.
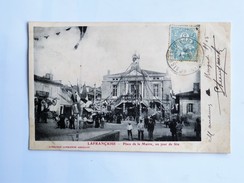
{"x":129,"y":130}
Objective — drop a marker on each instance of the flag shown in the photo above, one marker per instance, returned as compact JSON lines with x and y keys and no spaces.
{"x":82,"y":33}
{"x":83,"y":94}
{"x":172,"y":94}
{"x":78,"y":89}
{"x":74,"y":96}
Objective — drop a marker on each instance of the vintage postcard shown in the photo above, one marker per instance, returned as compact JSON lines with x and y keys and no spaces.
{"x":143,"y":87}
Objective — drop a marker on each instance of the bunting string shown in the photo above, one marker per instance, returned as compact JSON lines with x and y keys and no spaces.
{"x":82,"y":30}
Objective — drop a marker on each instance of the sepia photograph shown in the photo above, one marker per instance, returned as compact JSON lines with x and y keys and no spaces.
{"x":88,"y":86}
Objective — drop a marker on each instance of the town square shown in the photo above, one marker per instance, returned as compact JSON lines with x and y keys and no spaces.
{"x":110,"y":101}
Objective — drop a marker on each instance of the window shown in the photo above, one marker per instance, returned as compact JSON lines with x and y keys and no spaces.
{"x":155,"y":90}
{"x":114,"y":90}
{"x":132,"y":89}
{"x":190,"y":107}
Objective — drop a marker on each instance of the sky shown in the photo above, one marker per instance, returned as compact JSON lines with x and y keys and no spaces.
{"x":101,"y":49}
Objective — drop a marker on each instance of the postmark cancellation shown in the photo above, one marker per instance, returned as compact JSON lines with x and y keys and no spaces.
{"x":184,"y":49}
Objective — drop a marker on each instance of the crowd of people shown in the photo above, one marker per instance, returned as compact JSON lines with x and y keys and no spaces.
{"x":145,"y":125}
{"x":175,"y":126}
{"x":74,"y":121}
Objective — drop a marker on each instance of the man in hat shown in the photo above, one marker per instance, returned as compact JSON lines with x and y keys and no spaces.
{"x":150,"y":128}
{"x":172,"y":127}
{"x":146,"y":120}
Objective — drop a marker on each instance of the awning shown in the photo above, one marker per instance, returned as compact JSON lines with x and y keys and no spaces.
{"x":146,"y":103}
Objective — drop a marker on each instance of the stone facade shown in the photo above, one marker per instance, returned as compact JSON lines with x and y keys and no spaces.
{"x":46,"y":89}
{"x":151,"y":89}
{"x":190,"y":103}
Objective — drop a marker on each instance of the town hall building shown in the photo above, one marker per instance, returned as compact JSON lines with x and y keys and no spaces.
{"x":138,"y":91}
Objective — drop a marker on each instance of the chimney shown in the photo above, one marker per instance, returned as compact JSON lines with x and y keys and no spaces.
{"x":108,"y":72}
{"x":49,"y":76}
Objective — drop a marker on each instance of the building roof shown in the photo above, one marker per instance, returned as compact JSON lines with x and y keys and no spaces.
{"x":189,"y":94}
{"x":46,"y":80}
{"x":152,"y":72}
{"x":148,"y":72}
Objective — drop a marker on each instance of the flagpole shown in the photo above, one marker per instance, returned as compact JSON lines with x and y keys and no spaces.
{"x":78,"y":103}
{"x":80,"y":79}
{"x":94,"y":93}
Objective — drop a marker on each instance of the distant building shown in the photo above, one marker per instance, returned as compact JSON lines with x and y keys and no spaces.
{"x":138,"y":91}
{"x":59,"y":98}
{"x":189,"y":102}
{"x":51,"y":94}
{"x":94,"y":91}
